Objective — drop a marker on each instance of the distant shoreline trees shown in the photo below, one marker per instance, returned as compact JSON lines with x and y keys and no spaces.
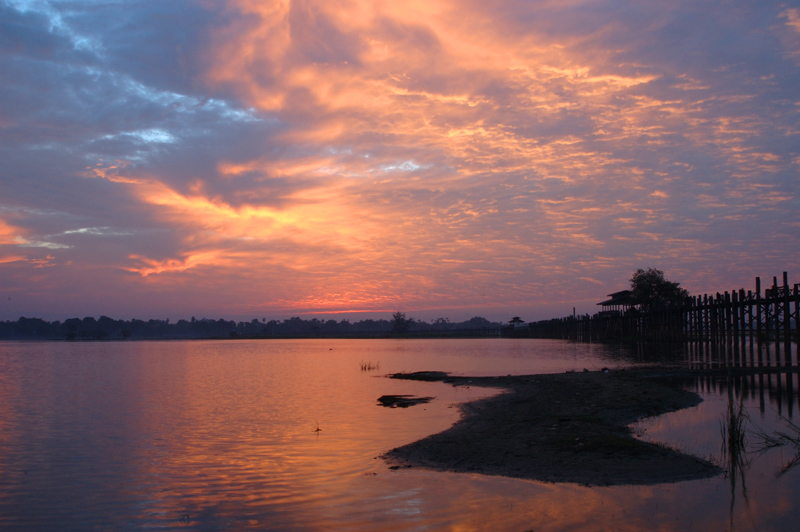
{"x":106,"y":329}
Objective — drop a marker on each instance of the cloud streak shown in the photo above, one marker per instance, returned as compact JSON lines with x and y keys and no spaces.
{"x":307,"y":156}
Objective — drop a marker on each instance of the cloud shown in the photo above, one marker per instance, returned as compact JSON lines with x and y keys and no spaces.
{"x":9,"y":234}
{"x":368,"y":155}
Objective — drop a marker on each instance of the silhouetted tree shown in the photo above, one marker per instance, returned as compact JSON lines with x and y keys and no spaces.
{"x":651,"y":289}
{"x":477,"y":321}
{"x":400,"y":324}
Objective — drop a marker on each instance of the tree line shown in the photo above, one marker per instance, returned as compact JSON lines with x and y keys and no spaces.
{"x":105,"y":328}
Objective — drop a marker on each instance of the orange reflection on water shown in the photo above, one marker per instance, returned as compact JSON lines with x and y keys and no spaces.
{"x":238,"y":442}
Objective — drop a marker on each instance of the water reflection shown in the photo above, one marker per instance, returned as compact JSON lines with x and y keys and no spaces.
{"x":140,"y":435}
{"x":747,"y":413}
{"x":776,"y":390}
{"x":766,"y":372}
{"x":99,"y":435}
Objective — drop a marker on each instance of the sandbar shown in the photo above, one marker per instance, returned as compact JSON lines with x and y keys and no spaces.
{"x":568,"y":427}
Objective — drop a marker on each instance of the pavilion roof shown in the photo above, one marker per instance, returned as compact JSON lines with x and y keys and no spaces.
{"x":623,"y":297}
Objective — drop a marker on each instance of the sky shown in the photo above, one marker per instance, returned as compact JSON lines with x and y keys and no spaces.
{"x":352,"y":158}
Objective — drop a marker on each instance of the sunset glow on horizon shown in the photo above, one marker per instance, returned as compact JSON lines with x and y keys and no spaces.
{"x":249,"y":158}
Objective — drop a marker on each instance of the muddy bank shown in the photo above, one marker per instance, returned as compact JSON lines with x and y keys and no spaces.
{"x":570,"y":427}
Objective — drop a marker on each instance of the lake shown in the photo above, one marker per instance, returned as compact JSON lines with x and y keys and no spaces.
{"x":222,"y":435}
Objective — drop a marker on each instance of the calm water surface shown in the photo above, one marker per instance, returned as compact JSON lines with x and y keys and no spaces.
{"x":221,"y":435}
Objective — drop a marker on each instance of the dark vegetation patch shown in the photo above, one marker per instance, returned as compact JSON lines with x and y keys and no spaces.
{"x":402,"y":401}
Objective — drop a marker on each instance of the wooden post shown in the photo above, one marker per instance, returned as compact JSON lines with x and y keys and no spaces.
{"x":686,"y":320}
{"x":797,"y":324}
{"x":720,"y":303}
{"x":712,"y":319}
{"x":698,"y":319}
{"x":697,"y":316}
{"x":703,"y":315}
{"x":723,"y":319}
{"x":742,"y":325}
{"x":758,"y":307}
{"x":734,"y":304}
{"x":742,"y":322}
{"x":776,"y":303}
{"x":787,"y":323}
{"x":750,"y":317}
{"x":706,"y":325}
{"x":726,"y":309}
{"x":697,"y":326}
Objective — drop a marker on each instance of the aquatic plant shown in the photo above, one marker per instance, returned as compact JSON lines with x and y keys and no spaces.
{"x":369,"y":366}
{"x":779,"y":438}
{"x":733,"y":428}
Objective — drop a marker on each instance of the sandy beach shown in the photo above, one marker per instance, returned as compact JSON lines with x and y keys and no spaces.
{"x":569,"y":427}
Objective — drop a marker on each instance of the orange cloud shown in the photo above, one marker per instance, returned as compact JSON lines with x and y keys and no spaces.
{"x":792,"y":16}
{"x":9,"y":234}
{"x":320,"y":215}
{"x":109,"y":171}
{"x":417,"y":73}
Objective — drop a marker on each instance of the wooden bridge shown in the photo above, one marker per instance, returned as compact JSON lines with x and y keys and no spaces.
{"x":739,"y":320}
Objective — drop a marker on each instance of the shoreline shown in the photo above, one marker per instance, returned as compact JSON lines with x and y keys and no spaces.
{"x":565,"y":427}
